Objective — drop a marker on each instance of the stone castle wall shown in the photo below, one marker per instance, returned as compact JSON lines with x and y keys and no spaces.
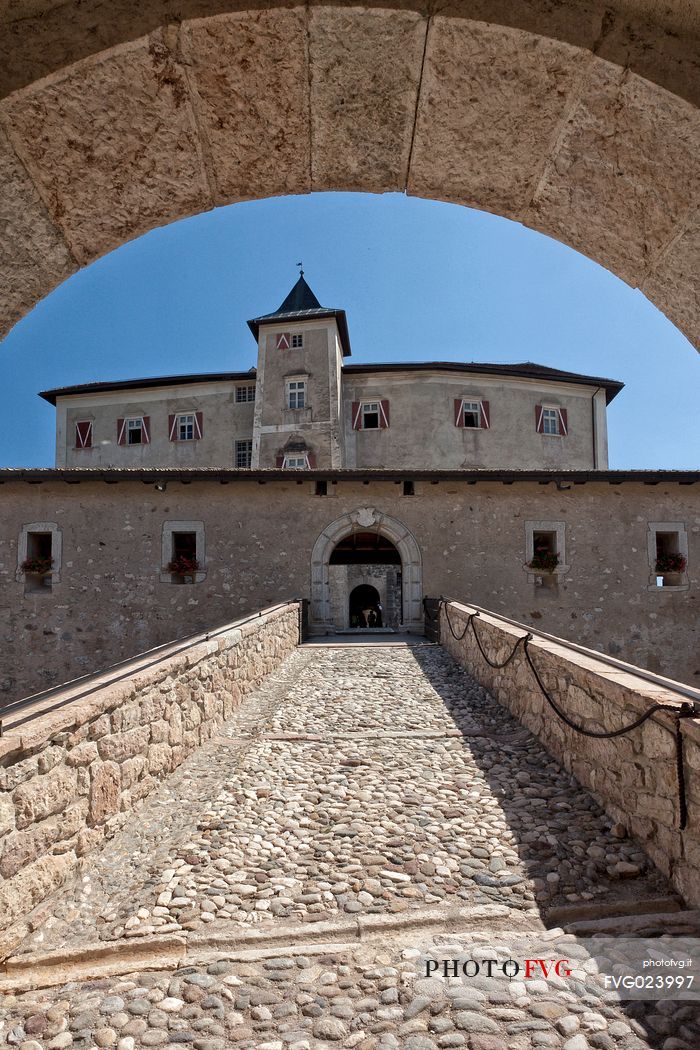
{"x":635,"y":776}
{"x":71,"y":778}
{"x":111,"y":599}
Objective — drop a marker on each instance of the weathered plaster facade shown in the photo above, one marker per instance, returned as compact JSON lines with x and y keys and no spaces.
{"x":464,"y":535}
{"x":578,"y":119}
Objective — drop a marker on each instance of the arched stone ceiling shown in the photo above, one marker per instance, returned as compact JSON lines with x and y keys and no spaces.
{"x":579,"y":120}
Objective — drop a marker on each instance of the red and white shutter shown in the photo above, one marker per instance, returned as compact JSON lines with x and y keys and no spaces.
{"x":383,"y":415}
{"x":279,"y":461}
{"x":121,"y":432}
{"x":311,"y":460}
{"x":146,"y":429}
{"x":83,"y":433}
{"x":539,"y":419}
{"x":199,"y":425}
{"x":357,"y":415}
{"x":563,"y":421}
{"x":282,"y":342}
{"x":459,"y":406}
{"x":172,"y":428}
{"x":485,"y":415}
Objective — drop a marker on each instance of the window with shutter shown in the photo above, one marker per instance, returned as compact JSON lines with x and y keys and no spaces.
{"x":472,"y":415}
{"x":134,"y":431}
{"x":83,"y":433}
{"x":551,"y":420}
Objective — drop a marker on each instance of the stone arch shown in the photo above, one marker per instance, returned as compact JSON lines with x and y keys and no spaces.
{"x":580,"y":122}
{"x":367,"y":518}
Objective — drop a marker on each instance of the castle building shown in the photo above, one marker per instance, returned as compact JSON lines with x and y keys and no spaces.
{"x":304,"y":407}
{"x":359,"y":487}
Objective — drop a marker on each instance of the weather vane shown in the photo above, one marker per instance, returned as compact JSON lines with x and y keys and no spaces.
{"x":301,"y":270}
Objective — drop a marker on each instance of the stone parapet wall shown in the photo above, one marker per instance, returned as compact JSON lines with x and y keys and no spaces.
{"x":70,"y":778}
{"x":635,"y":777}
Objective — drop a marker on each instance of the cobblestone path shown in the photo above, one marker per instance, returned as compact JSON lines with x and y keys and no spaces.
{"x":361,"y":804}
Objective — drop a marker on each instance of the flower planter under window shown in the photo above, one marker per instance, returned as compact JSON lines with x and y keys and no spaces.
{"x":544,"y":562}
{"x":184,"y":569}
{"x":670,"y":563}
{"x":37,"y":566}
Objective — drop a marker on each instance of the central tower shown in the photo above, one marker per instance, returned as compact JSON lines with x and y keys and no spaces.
{"x":297,"y":422}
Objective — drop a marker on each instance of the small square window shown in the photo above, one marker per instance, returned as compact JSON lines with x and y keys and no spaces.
{"x":297,"y":341}
{"x":185,"y":428}
{"x":550,"y":421}
{"x":134,"y":432}
{"x":370,"y":415}
{"x":244,"y":454}
{"x":245,"y":393}
{"x":296,"y":393}
{"x":296,"y":462}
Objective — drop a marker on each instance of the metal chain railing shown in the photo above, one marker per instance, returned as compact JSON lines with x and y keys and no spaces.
{"x":686,"y":710}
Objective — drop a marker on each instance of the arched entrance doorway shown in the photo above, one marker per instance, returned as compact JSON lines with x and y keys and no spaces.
{"x":366,"y":581}
{"x":366,"y":548}
{"x":365,"y":609}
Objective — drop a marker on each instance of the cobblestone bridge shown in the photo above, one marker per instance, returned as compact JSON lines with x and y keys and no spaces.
{"x":367,"y":805}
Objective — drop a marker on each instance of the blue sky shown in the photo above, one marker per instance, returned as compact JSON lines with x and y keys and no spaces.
{"x":420,"y":280}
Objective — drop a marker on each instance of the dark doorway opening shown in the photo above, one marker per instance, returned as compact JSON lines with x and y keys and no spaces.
{"x":365,"y":607}
{"x":365,"y":548}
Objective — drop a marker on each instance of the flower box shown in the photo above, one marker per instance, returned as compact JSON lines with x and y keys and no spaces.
{"x":670,"y":563}
{"x":183,"y":566}
{"x":544,"y":562}
{"x":37,"y":566}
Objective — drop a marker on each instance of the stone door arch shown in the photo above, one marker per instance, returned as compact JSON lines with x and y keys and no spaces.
{"x":577,"y":119}
{"x":365,"y":518}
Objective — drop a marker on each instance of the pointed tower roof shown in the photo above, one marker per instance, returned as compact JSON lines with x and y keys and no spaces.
{"x":300,"y":305}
